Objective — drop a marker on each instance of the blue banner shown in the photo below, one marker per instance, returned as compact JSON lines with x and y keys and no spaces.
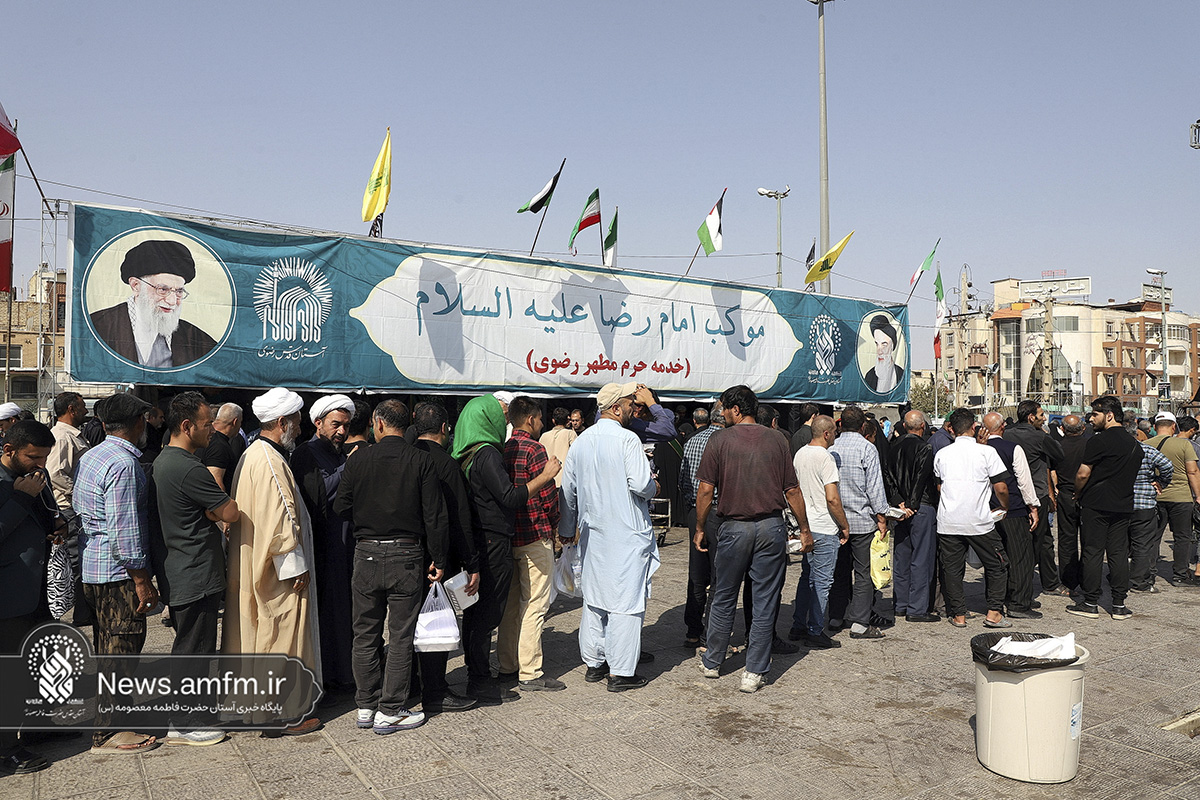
{"x":167,"y":300}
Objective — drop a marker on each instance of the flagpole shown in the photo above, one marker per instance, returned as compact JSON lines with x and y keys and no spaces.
{"x":546,"y":208}
{"x":914,"y":287}
{"x":693,"y":261}
{"x":12,"y":275}
{"x":600,"y":225}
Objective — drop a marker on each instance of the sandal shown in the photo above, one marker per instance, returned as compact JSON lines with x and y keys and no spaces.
{"x":956,"y":623}
{"x":126,"y":742}
{"x":1003,"y":623}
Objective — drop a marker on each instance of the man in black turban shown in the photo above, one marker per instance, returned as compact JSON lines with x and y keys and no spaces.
{"x":147,"y":328}
{"x":885,"y":375}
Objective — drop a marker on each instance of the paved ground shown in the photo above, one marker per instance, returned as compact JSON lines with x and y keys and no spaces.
{"x":890,"y":718}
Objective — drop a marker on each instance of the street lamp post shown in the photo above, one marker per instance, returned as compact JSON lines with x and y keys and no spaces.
{"x":1162,"y":335}
{"x":778,"y":198}
{"x":824,"y":285}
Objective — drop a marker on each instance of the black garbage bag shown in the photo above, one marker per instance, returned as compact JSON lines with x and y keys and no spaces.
{"x":982,"y":652}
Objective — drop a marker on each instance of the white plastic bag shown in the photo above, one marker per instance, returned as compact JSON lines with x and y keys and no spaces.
{"x":437,"y":627}
{"x":568,"y":570}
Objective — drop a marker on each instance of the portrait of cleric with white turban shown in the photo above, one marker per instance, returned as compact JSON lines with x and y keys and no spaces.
{"x":886,"y":374}
{"x":147,"y":328}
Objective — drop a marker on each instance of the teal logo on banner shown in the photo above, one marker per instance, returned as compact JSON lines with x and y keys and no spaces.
{"x":158,"y":299}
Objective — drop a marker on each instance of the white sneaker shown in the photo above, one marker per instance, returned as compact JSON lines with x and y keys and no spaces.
{"x":383,"y":724}
{"x":751,"y":682}
{"x":707,"y":672}
{"x":197,"y":738}
{"x":365,"y":718}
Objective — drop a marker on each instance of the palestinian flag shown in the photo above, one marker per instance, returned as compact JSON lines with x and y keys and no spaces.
{"x":710,"y":229}
{"x":542,"y":198}
{"x":589,"y":217}
{"x":925,"y":265}
{"x":610,"y":243}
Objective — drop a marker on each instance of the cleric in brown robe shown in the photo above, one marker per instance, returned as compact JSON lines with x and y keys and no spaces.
{"x":147,"y":328}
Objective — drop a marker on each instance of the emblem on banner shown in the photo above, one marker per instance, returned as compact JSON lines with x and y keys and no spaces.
{"x":825,"y":339}
{"x":55,"y":662}
{"x":293,"y":299}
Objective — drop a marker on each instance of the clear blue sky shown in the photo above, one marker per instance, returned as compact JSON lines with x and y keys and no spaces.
{"x":1028,"y":136}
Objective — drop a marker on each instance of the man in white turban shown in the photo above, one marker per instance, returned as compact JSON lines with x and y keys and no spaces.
{"x":9,"y":414}
{"x":270,"y":607}
{"x":317,"y":465}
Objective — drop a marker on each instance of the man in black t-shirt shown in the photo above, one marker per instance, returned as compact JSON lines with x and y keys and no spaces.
{"x":225,"y":446}
{"x":1104,"y":492}
{"x":190,"y":504}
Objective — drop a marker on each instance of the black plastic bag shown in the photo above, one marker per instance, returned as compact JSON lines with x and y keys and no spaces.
{"x":982,"y":652}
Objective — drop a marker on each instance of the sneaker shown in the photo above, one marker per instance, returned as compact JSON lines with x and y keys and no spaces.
{"x":1151,"y":589}
{"x":405,"y":720}
{"x":707,"y":672}
{"x":542,"y":684}
{"x":780,"y":647}
{"x":1187,"y":580}
{"x":365,"y":718}
{"x":196,"y":738}
{"x":1121,"y":612}
{"x":1082,"y":609}
{"x":751,"y":682}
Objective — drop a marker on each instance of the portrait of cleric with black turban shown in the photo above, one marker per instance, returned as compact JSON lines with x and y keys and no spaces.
{"x":885,"y":375}
{"x":147,"y":328}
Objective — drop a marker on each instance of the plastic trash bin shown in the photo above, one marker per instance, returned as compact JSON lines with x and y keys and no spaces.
{"x":1028,"y":722}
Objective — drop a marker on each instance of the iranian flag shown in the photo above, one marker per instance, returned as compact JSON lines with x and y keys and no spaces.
{"x":8,"y":190}
{"x":8,"y":136}
{"x":940,"y":316}
{"x":610,"y":243}
{"x":710,"y":229}
{"x":589,"y":217}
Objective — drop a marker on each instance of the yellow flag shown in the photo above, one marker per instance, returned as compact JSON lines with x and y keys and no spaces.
{"x":824,"y":265}
{"x":375,"y":199}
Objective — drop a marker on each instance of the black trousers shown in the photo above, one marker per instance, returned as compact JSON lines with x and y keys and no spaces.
{"x":990,"y":550}
{"x":1043,"y":543}
{"x":1104,"y":533}
{"x":1145,"y":536}
{"x":386,"y":586}
{"x":1019,"y":544}
{"x":195,"y":634}
{"x":495,"y":578}
{"x":853,"y":591}
{"x":1179,"y":516}
{"x":1068,"y":539}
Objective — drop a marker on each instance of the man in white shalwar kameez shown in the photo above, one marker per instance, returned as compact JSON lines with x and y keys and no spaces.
{"x":606,"y":490}
{"x":270,"y":604}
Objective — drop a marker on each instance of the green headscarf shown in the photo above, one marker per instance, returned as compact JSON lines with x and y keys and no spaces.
{"x":480,"y":423}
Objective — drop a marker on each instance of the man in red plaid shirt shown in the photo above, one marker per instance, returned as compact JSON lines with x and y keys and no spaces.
{"x":519,"y":640}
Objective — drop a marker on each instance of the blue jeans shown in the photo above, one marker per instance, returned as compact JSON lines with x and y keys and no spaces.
{"x":812,"y":591}
{"x":760,"y":549}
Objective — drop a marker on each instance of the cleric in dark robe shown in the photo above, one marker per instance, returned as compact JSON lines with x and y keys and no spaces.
{"x":885,"y":375}
{"x":317,"y":465}
{"x":147,"y":328}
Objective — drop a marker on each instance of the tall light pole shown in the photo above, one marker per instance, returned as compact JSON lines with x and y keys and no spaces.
{"x":1162,"y":336}
{"x":778,"y":198}
{"x":823,"y":286}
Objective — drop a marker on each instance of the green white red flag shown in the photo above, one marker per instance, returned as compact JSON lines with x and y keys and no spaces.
{"x":940,"y":316}
{"x":9,"y":143}
{"x":610,"y":243}
{"x":589,"y":217}
{"x":8,"y":190}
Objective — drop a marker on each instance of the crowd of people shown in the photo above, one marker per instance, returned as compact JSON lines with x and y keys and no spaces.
{"x":325,"y":549}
